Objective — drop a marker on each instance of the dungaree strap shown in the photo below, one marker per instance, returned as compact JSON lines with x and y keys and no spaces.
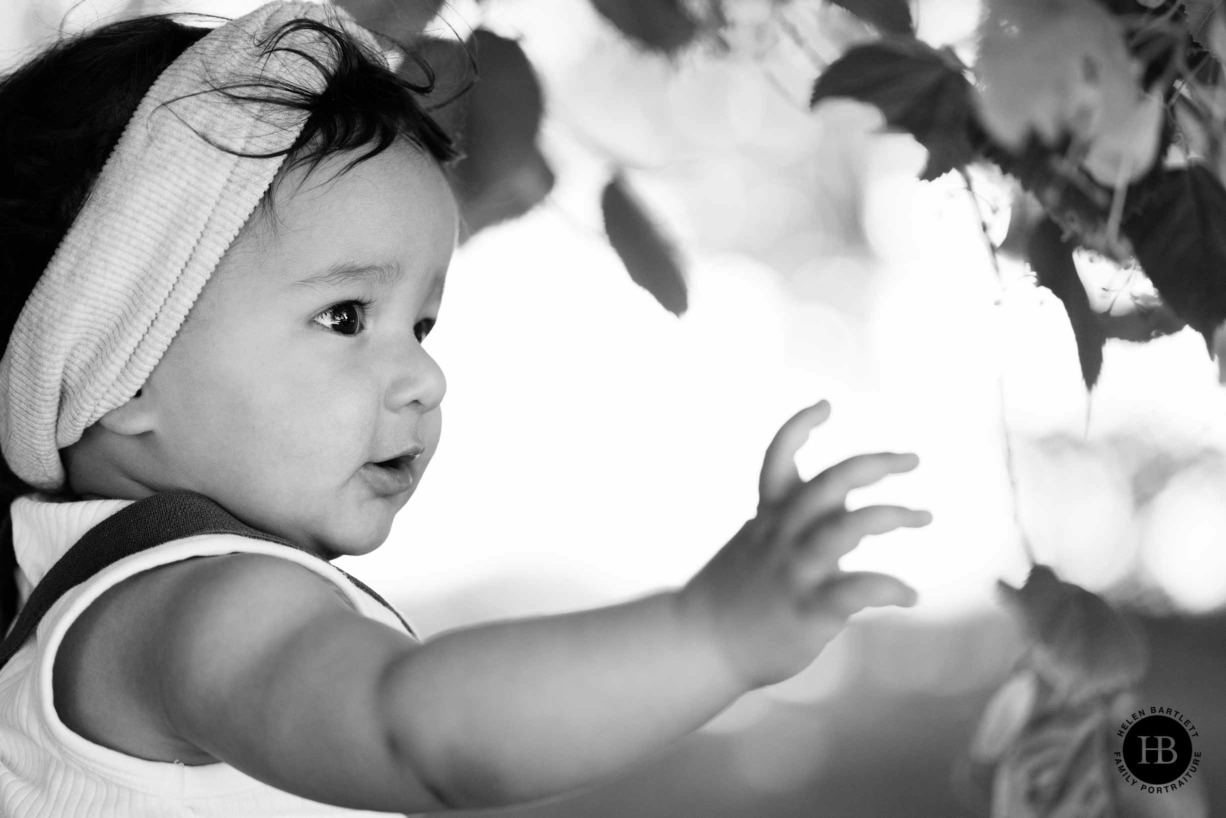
{"x":149,"y":522}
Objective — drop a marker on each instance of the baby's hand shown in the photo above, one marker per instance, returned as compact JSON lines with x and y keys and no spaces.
{"x":774,"y":595}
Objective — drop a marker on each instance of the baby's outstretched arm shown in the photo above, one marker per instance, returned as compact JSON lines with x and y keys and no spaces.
{"x":334,"y":707}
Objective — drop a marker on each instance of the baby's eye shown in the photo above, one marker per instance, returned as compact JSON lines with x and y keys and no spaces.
{"x":423,"y":328}
{"x":346,"y":317}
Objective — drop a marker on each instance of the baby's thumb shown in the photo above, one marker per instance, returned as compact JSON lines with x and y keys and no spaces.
{"x":848,"y":593}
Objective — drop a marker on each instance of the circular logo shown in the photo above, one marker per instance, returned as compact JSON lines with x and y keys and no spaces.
{"x":1157,"y":753}
{"x":1157,"y":750}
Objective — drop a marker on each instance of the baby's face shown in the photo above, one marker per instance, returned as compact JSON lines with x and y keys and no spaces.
{"x":281,"y":390}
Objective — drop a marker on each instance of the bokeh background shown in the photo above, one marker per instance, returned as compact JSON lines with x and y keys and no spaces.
{"x":599,"y":447}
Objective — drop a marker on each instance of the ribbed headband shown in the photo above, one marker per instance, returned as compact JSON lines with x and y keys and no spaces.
{"x":164,"y":209}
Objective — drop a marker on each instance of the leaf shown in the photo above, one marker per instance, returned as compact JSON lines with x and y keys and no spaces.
{"x":889,"y":16}
{"x":1148,"y":319}
{"x":665,"y":26}
{"x":649,"y":257}
{"x":1051,"y":258}
{"x":1126,"y":148}
{"x":402,"y":21}
{"x":1080,"y":643}
{"x":918,"y":89}
{"x":509,"y":194}
{"x":1176,"y":232}
{"x":454,"y":68}
{"x":1051,"y":69}
{"x":503,"y":174}
{"x":506,"y":103}
{"x":1200,"y":16}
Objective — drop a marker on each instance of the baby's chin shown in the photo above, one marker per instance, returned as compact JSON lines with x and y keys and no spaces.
{"x":350,"y":548}
{"x":358,"y":537}
{"x":332,"y":521}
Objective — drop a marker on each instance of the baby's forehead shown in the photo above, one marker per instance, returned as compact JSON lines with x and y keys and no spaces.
{"x":350,"y":178}
{"x":394,"y":210}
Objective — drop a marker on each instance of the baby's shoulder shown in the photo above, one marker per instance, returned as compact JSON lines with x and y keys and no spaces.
{"x":119,"y":655}
{"x":235,"y":584}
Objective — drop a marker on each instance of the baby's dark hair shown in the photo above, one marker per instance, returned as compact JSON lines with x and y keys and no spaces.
{"x":62,"y":113}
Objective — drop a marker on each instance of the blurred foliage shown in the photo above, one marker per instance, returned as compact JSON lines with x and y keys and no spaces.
{"x":1047,"y":731}
{"x":503,"y":173}
{"x":488,"y":96}
{"x":1109,"y":113}
{"x":664,"y":26}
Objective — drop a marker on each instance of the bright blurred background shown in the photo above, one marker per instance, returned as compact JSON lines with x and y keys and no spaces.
{"x":597,"y":447}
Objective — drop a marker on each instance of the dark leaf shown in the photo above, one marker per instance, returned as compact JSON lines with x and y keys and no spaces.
{"x":506,"y":103}
{"x":393,"y":18}
{"x":889,"y":16}
{"x":503,"y":174}
{"x":666,"y":26}
{"x":1176,"y":232}
{"x":649,"y":257}
{"x":1199,"y":15}
{"x":454,"y":68}
{"x":1080,"y":643}
{"x":1051,"y":258}
{"x":1148,"y":319}
{"x":918,"y":89}
{"x":1122,"y":7}
{"x":511,"y":193}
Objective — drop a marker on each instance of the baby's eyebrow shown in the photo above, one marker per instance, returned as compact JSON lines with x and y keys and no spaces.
{"x":352,"y":272}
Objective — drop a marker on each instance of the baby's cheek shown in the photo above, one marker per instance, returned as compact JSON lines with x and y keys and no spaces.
{"x":321,"y":416}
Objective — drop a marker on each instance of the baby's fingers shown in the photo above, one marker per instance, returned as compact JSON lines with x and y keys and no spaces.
{"x":846,"y":594}
{"x":828,"y":491}
{"x":833,"y":536}
{"x":779,"y":476}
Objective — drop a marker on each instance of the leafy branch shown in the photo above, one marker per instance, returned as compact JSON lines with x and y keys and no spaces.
{"x":1110,"y":115}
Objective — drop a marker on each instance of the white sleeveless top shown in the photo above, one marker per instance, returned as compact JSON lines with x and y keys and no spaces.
{"x":47,"y":770}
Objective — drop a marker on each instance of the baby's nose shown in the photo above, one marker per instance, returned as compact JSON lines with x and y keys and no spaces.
{"x":416,"y":378}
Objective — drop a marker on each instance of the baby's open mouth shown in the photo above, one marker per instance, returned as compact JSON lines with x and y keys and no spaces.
{"x":401,"y":460}
{"x":392,"y":476}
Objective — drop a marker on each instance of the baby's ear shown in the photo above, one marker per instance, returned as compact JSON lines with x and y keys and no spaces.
{"x":133,"y":418}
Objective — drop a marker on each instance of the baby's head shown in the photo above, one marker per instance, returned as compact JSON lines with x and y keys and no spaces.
{"x":299,"y":366}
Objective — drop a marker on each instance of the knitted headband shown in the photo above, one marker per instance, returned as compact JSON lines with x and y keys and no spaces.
{"x":164,"y":209}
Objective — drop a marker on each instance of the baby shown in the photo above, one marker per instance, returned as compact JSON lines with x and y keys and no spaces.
{"x":225,"y":250}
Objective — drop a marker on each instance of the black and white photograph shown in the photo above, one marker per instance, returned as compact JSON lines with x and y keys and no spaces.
{"x":835,"y":399}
